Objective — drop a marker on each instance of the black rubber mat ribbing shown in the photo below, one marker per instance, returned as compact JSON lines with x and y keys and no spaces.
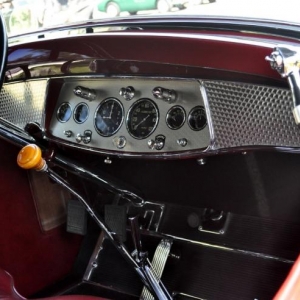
{"x":209,"y":273}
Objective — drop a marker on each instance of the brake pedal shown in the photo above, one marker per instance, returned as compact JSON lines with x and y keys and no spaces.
{"x":116,"y":218}
{"x":158,"y":264}
{"x":76,"y":217}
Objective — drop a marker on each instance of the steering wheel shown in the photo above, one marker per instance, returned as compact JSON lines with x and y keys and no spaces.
{"x":3,"y":49}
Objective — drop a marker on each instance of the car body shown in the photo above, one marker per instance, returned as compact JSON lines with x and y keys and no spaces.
{"x":113,"y":8}
{"x":167,"y":139}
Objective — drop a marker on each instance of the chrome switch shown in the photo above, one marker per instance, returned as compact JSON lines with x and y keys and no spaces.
{"x":164,"y":94}
{"x":127,"y":93}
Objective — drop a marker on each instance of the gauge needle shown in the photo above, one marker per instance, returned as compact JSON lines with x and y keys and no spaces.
{"x":136,"y":126}
{"x":111,"y":110}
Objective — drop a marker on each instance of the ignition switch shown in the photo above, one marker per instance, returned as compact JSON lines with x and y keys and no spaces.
{"x":158,"y":143}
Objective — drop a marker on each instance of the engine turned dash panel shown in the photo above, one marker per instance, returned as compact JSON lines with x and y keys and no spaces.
{"x":131,"y":115}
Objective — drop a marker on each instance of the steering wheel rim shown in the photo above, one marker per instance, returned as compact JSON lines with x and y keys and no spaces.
{"x":3,"y":50}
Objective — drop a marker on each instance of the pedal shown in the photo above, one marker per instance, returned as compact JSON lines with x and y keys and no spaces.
{"x":158,"y":264}
{"x":76,"y":217}
{"x":115,"y":218}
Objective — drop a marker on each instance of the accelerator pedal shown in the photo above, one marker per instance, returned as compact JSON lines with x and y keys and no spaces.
{"x":158,"y":264}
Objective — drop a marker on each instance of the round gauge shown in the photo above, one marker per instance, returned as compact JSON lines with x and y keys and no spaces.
{"x":109,"y":117}
{"x":142,"y":118}
{"x":64,"y":112}
{"x":81,"y":113}
{"x":197,"y":118}
{"x":175,"y":117}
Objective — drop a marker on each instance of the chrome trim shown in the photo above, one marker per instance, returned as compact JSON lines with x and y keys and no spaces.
{"x":4,"y":46}
{"x":208,"y":115}
{"x":220,"y":247}
{"x":175,"y":294}
{"x":97,"y":250}
{"x":135,"y":147}
{"x":237,"y":40}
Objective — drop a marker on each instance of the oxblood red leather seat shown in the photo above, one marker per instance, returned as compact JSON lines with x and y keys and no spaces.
{"x":9,"y":292}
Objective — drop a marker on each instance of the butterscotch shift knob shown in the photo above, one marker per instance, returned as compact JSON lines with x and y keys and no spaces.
{"x":30,"y":157}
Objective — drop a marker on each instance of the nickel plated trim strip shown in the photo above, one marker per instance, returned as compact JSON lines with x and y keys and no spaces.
{"x":220,"y":247}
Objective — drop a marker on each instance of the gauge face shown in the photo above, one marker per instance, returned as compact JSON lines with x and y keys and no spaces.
{"x":197,"y":118}
{"x":109,"y":117}
{"x":81,"y":113}
{"x":175,"y":117}
{"x":142,"y":118}
{"x":64,"y":112}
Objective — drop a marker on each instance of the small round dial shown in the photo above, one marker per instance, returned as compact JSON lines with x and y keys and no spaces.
{"x":175,"y":117}
{"x":81,"y":113}
{"x":64,"y":112}
{"x":109,"y":117}
{"x":142,"y":118}
{"x":197,"y":118}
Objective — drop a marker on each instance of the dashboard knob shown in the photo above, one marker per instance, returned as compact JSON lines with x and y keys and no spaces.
{"x":164,"y":94}
{"x":85,"y":138}
{"x":85,"y":93}
{"x":158,"y":143}
{"x":30,"y":157}
{"x":120,"y":142}
{"x":127,"y":93}
{"x":68,"y":133}
{"x":182,"y":142}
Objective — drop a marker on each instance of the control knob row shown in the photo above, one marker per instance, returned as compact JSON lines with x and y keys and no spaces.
{"x":86,"y":137}
{"x":128,"y":93}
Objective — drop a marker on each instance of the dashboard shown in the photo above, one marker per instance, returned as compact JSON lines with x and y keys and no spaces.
{"x":131,"y":114}
{"x":158,"y":104}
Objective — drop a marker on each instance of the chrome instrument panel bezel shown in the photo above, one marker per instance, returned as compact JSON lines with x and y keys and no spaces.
{"x":97,"y":109}
{"x":189,"y":96}
{"x":169,"y":112}
{"x":130,"y":111}
{"x":76,"y":108}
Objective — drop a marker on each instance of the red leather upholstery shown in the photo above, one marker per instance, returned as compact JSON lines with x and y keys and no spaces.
{"x":8,"y":291}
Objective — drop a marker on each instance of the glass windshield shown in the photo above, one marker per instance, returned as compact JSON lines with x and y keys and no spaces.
{"x":23,"y":16}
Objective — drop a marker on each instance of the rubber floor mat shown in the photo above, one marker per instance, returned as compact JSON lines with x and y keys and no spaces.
{"x":201,"y":271}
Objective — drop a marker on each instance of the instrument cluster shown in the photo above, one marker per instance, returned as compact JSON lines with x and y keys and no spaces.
{"x":133,"y":115}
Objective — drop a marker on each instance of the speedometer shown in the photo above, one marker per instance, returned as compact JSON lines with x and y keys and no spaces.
{"x":142,"y":118}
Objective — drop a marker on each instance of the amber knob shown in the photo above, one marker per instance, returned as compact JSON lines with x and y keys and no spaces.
{"x":30,"y":157}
